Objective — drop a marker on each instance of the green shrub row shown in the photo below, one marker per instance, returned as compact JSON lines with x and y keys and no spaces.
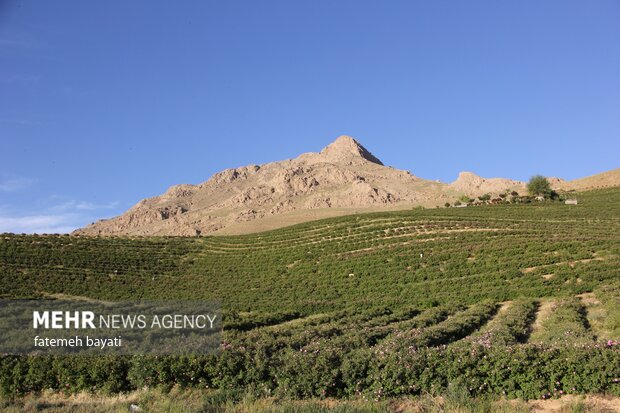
{"x":509,"y":327}
{"x":567,"y":323}
{"x":523,"y":371}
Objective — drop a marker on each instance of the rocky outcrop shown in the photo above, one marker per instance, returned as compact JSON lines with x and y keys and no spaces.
{"x":603,"y":180}
{"x":346,"y":149}
{"x":342,"y":178}
{"x":343,"y":175}
{"x":471,"y":184}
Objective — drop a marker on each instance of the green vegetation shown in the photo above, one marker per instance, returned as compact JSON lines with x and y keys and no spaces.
{"x":498,"y":252}
{"x":610,"y":296}
{"x":511,"y":326}
{"x":435,"y":301}
{"x":538,"y":185}
{"x":566,"y":322}
{"x":209,"y":401}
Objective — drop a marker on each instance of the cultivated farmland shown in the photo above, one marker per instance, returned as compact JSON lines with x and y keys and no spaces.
{"x":487,"y":299}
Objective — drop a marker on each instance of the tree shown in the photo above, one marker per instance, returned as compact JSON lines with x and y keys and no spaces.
{"x":485,"y":197}
{"x":539,"y":186}
{"x":447,"y":205}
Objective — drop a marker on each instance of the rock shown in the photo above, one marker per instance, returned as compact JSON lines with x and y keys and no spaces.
{"x":345,"y":148}
{"x":472,"y":185}
{"x":344,"y":177}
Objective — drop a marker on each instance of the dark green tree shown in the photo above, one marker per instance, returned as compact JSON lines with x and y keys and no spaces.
{"x":539,"y":186}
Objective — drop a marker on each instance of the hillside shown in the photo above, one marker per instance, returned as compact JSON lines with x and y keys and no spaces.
{"x":603,"y":180}
{"x":344,"y":178}
{"x":375,"y":305}
{"x":341,"y":179}
{"x":490,"y":246}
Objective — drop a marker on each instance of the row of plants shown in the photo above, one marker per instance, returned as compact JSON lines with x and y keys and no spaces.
{"x":566,"y":322}
{"x":375,"y":305}
{"x":609,"y":294}
{"x":511,"y":326}
{"x":521,"y":371}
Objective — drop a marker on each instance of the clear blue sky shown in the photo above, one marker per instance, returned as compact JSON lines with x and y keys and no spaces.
{"x":103,"y":103}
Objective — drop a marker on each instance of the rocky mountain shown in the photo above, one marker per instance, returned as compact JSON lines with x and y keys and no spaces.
{"x":470,"y":183}
{"x":603,"y":180}
{"x":343,"y":178}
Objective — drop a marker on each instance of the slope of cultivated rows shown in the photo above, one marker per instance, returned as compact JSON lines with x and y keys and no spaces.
{"x":518,"y":300}
{"x":413,"y":258}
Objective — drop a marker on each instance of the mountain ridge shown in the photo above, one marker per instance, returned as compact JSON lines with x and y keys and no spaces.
{"x":343,"y":178}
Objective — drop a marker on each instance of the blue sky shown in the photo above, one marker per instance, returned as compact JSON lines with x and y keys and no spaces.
{"x":103,"y":103}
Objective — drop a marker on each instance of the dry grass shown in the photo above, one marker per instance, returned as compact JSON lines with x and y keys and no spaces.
{"x":178,"y":401}
{"x":596,"y":315}
{"x":544,"y":311}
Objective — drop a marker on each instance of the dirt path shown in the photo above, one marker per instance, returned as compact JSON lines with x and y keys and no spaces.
{"x":544,"y":311}
{"x":593,"y":404}
{"x":503,"y":308}
{"x":570,"y":264}
{"x":193,"y":400}
{"x":295,"y":321}
{"x":596,"y":315}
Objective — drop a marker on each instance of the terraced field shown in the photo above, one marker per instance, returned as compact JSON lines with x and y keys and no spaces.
{"x":516,"y":300}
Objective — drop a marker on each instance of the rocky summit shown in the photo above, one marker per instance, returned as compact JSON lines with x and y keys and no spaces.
{"x":343,"y":178}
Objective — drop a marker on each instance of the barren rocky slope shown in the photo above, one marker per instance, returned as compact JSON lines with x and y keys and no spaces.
{"x":603,"y":180}
{"x":343,"y":178}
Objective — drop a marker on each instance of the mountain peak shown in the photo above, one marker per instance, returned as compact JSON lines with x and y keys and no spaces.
{"x":466,"y":175}
{"x":347,"y":147}
{"x":343,"y":178}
